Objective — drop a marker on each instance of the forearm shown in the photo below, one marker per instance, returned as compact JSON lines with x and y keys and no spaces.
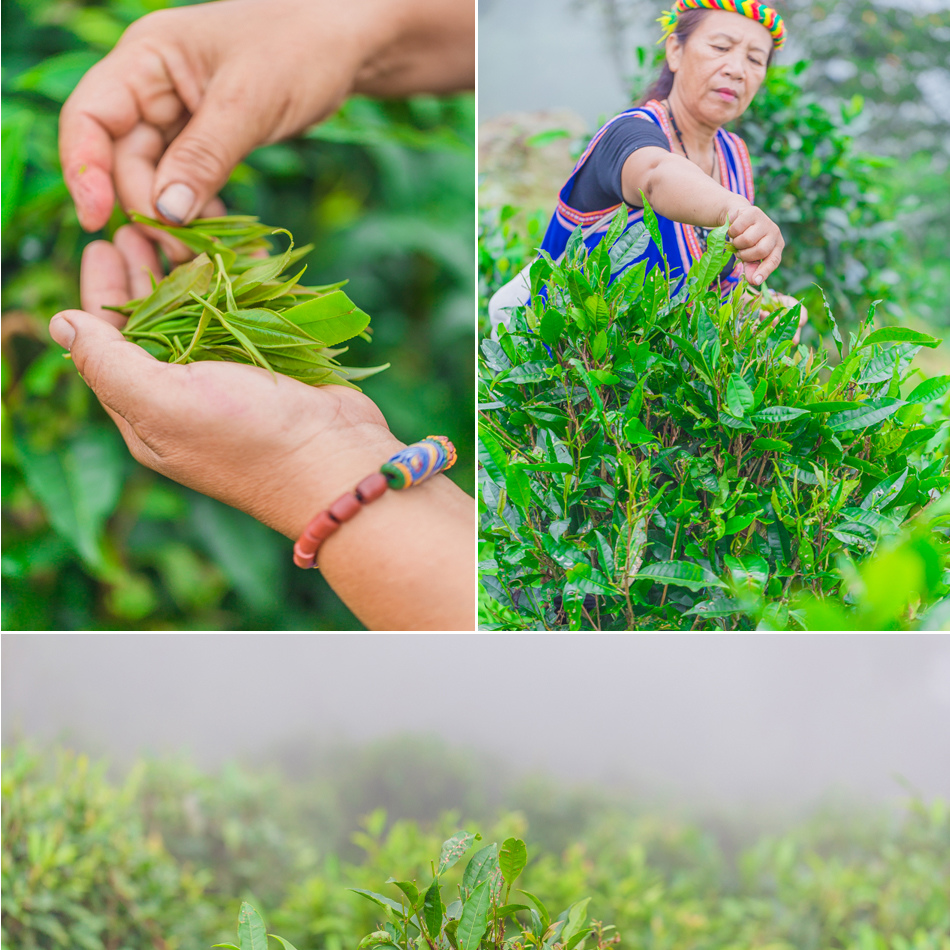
{"x":680,"y":191}
{"x":406,"y":561}
{"x":421,"y":46}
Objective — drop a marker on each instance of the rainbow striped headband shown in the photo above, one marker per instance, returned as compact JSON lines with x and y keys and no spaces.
{"x":759,"y":12}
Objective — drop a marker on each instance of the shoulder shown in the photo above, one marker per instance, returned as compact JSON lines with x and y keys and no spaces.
{"x":633,"y":128}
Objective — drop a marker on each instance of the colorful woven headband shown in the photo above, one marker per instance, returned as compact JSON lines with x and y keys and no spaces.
{"x":759,"y":12}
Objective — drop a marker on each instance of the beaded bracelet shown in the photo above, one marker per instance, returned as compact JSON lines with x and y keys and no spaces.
{"x":410,"y":466}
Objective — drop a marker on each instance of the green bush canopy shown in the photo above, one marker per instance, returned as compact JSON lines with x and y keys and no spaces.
{"x":658,"y":459}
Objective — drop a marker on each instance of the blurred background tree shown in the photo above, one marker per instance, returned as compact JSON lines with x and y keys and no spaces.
{"x":91,"y":539}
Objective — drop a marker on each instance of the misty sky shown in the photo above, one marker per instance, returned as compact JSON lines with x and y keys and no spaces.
{"x":765,"y":720}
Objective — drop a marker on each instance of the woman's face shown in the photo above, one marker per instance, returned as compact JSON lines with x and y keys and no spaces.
{"x":721,"y":66}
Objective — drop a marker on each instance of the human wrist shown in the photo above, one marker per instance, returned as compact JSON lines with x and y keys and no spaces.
{"x":315,"y":474}
{"x":732,"y":207}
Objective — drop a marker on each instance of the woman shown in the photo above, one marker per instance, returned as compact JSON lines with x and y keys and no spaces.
{"x":674,"y":150}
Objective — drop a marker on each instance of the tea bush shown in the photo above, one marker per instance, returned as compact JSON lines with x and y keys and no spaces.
{"x":91,"y":540}
{"x":654,"y":456}
{"x":79,"y":869}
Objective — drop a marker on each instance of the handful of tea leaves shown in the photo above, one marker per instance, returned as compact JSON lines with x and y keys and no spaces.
{"x":231,"y":303}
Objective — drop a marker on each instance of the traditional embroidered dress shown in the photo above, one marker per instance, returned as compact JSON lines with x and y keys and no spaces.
{"x":682,"y":243}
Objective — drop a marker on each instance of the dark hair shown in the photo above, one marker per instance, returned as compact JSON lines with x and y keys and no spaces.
{"x":686,"y":23}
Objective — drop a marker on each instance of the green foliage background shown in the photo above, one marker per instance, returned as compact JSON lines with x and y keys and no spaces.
{"x":91,"y":540}
{"x":163,"y":857}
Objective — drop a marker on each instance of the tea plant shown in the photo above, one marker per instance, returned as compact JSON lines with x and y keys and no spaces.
{"x":483,"y":915}
{"x":79,"y":869}
{"x":266,"y":321}
{"x":655,"y":456}
{"x":252,"y":934}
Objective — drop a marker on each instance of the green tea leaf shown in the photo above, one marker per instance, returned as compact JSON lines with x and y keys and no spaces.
{"x":628,"y":247}
{"x":380,"y":899}
{"x":483,"y":865}
{"x":885,"y":491}
{"x":617,"y":223}
{"x":774,"y":414}
{"x":636,"y":433}
{"x":409,"y":889}
{"x":519,"y":487}
{"x":461,"y":841}
{"x":552,"y":326}
{"x":651,"y":222}
{"x":474,"y":919}
{"x":679,"y":573}
{"x":899,"y":335}
{"x":512,"y":859}
{"x":78,"y":483}
{"x":433,"y":909}
{"x":330,"y":319}
{"x":286,"y":944}
{"x":871,"y":413}
{"x":193,"y":277}
{"x":543,"y":912}
{"x":930,"y":390}
{"x":739,"y":397}
{"x":251,"y":932}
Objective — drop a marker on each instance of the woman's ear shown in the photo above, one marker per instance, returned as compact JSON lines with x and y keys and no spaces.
{"x":674,"y":52}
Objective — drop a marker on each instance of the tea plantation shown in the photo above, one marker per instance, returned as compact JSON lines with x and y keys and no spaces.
{"x":164,"y":857}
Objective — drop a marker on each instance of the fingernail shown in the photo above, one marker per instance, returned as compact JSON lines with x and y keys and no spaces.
{"x":61,"y":330}
{"x":175,"y":203}
{"x":759,"y":279}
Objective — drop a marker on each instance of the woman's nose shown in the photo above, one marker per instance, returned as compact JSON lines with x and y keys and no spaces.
{"x":735,"y":64}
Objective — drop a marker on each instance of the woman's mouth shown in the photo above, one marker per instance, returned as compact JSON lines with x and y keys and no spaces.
{"x":727,"y":95}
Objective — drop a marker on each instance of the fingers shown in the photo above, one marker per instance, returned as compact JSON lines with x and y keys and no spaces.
{"x":121,"y":374}
{"x":101,"y":109}
{"x":113,"y":274}
{"x":136,"y":157}
{"x":756,"y":238}
{"x":766,"y":266}
{"x":85,"y":150}
{"x":103,"y":281}
{"x":199,"y":160}
{"x":140,"y":259}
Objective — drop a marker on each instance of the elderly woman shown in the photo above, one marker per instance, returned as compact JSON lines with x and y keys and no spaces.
{"x":673,"y":149}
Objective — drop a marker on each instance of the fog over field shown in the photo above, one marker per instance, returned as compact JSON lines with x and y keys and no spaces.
{"x":769,"y":722}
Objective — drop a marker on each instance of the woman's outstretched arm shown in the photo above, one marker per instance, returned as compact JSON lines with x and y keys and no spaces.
{"x":679,"y":190}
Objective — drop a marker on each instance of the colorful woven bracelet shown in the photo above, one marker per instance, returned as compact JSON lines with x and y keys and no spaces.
{"x":414,"y":464}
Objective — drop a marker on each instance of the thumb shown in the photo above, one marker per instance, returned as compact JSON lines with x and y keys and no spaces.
{"x":202,"y":156}
{"x":121,"y":374}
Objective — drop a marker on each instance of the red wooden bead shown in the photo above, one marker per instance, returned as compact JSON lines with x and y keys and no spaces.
{"x":344,"y":507}
{"x":301,"y":559}
{"x":321,"y":527}
{"x":371,"y":488}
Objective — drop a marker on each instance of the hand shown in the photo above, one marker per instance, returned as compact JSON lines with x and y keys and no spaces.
{"x":224,"y":429}
{"x":187,"y":92}
{"x":786,"y":302}
{"x":757,"y":240}
{"x":277,"y":449}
